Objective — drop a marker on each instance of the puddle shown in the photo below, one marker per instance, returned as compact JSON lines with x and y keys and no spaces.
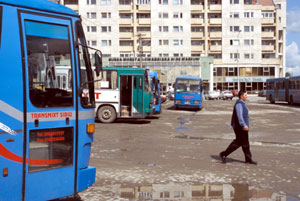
{"x":185,"y":191}
{"x":182,"y":122}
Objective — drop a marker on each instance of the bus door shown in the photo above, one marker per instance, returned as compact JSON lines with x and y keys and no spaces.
{"x":49,"y":167}
{"x":137,"y":95}
{"x":276,"y":89}
{"x":125,"y":95}
{"x":286,"y":88}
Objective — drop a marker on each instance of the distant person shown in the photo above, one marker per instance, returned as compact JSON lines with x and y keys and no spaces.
{"x":240,"y":125}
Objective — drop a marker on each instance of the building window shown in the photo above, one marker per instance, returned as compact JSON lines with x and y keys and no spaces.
{"x":234,"y":28}
{"x":163,"y":29}
{"x":248,"y":14}
{"x":93,"y":15}
{"x":248,"y":42}
{"x":164,"y":2}
{"x":234,"y":55}
{"x":196,"y":43}
{"x":234,"y":2}
{"x":177,"y":28}
{"x":163,"y":42}
{"x":163,"y":15}
{"x":235,"y":42}
{"x":106,"y":29}
{"x":106,"y":42}
{"x":105,"y":2}
{"x":177,"y":15}
{"x":196,"y":29}
{"x":142,"y":2}
{"x":105,"y":15}
{"x":248,"y":28}
{"x":234,"y":15}
{"x":177,"y":2}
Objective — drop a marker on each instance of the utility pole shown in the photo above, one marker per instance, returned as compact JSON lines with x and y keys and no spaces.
{"x":237,"y":60}
{"x":140,"y":49}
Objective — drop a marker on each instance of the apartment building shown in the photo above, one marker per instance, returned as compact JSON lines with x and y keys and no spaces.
{"x":246,"y":38}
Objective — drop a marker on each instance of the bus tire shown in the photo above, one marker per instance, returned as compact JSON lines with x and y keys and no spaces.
{"x":291,"y":101}
{"x":106,"y":114}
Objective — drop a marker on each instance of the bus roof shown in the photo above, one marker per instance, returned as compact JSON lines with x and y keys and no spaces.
{"x":294,"y":78}
{"x":190,"y":77}
{"x":42,"y":5}
{"x":276,"y":79}
{"x":123,"y":68}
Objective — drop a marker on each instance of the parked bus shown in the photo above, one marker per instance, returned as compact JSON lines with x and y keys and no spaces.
{"x":283,"y":89}
{"x":123,"y":92}
{"x":188,"y":92}
{"x":46,"y":124}
{"x":155,"y":88}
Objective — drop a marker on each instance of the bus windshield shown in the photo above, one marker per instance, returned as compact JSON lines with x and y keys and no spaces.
{"x":48,"y":48}
{"x":188,"y":85}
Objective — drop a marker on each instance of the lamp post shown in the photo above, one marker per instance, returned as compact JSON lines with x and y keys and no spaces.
{"x":237,"y":62}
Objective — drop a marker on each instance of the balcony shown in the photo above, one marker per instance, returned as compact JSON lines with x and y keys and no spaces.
{"x":215,"y":21}
{"x":126,"y":48}
{"x":270,"y":61}
{"x":267,"y":34}
{"x":197,"y":34}
{"x":197,"y":21}
{"x":146,"y":48}
{"x":267,"y":21}
{"x":268,"y":48}
{"x":144,"y":7}
{"x":197,"y":8}
{"x":127,"y":35}
{"x":215,"y":7}
{"x":215,"y":48}
{"x":197,"y":48}
{"x":127,"y":21}
{"x":125,"y":7}
{"x":215,"y":34}
{"x":217,"y":61}
{"x":144,"y":21}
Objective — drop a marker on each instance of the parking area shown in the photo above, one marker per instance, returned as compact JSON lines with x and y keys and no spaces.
{"x":154,"y":158}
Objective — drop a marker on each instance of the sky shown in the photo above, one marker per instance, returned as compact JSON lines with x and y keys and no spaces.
{"x":293,"y":37}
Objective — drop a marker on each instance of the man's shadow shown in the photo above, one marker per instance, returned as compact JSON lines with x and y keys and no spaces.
{"x":228,"y":160}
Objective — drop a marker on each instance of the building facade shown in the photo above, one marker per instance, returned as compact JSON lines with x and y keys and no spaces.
{"x":246,"y":38}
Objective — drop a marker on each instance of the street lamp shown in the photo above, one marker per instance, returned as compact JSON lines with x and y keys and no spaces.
{"x":237,"y":62}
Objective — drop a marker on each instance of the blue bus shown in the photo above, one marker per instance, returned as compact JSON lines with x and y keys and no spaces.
{"x":285,"y":89}
{"x":46,"y":123}
{"x":188,"y":92}
{"x":155,"y":88}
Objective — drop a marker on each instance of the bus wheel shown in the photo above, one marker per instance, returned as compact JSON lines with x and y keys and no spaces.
{"x":291,"y":100}
{"x":107,"y":114}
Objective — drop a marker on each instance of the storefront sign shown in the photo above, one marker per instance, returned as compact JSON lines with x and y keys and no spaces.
{"x":246,"y":79}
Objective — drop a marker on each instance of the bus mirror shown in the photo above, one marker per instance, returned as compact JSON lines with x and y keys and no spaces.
{"x":98,"y":62}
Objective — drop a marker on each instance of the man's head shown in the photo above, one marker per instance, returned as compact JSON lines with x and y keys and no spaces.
{"x":243,"y":95}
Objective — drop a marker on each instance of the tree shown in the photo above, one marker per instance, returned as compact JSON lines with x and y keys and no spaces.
{"x":288,"y":74}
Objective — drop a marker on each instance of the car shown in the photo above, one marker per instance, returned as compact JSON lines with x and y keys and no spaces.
{"x":262,"y":93}
{"x":226,"y":95}
{"x":213,"y":95}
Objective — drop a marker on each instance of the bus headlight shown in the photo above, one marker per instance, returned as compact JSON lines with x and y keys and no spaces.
{"x":196,"y":102}
{"x":178,"y":101}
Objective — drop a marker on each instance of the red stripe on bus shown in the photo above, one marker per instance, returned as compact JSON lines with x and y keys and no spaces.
{"x":11,"y":156}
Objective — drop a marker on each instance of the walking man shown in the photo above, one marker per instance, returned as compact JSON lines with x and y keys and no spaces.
{"x":240,"y":125}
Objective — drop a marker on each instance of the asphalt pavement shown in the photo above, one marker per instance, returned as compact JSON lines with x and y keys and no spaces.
{"x":175,"y":156}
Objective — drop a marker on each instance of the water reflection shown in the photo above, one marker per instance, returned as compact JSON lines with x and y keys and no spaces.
{"x":205,"y":192}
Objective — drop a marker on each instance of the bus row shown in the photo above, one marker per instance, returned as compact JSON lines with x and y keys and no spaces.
{"x":283,"y":89}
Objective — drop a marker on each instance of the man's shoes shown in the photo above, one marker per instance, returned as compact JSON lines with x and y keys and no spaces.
{"x":223,"y":158}
{"x":251,"y":162}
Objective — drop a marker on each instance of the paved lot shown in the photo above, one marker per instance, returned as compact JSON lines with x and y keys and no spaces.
{"x":179,"y":150}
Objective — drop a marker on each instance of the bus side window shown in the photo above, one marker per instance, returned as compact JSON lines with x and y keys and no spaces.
{"x":141,"y":83}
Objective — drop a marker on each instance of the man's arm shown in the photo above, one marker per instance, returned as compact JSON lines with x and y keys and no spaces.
{"x":239,"y":112}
